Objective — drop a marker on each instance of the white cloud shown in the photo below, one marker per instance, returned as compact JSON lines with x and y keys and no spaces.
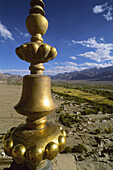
{"x":99,"y":9}
{"x":98,"y":51}
{"x":14,"y":71}
{"x":101,"y":50}
{"x":62,"y":68}
{"x":26,"y":34}
{"x":71,"y":63}
{"x":92,"y":55}
{"x":21,"y":33}
{"x":73,"y":41}
{"x":5,"y":33}
{"x":51,"y":70}
{"x":102,"y":39}
{"x":105,"y":9}
{"x":97,"y":64}
{"x":108,"y":16}
{"x":73,"y":57}
{"x":56,"y":63}
{"x":66,"y":68}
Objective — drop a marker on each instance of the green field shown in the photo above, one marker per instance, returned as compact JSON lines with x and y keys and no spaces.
{"x":81,"y":94}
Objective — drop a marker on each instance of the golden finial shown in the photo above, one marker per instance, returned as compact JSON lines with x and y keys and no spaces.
{"x":36,"y":52}
{"x":35,"y":141}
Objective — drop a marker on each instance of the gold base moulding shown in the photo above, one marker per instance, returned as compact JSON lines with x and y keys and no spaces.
{"x":33,"y":146}
{"x":37,"y":140}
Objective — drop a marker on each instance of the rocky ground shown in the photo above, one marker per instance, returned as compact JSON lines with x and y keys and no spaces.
{"x":92,"y":135}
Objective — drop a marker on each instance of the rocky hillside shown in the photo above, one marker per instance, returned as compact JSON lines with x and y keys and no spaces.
{"x":105,"y":74}
{"x":10,"y":79}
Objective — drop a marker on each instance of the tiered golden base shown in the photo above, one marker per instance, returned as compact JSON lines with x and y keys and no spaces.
{"x":33,"y":146}
{"x":36,"y":140}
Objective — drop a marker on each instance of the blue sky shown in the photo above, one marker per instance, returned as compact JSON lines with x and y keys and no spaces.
{"x":80,"y":30}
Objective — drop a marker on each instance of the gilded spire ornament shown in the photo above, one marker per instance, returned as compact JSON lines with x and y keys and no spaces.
{"x":33,"y":143}
{"x":36,"y":52}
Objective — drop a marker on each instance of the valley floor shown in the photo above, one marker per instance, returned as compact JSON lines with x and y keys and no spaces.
{"x":91,"y":132}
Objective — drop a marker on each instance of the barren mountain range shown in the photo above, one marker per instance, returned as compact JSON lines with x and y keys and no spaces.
{"x":9,"y":78}
{"x":102,"y":74}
